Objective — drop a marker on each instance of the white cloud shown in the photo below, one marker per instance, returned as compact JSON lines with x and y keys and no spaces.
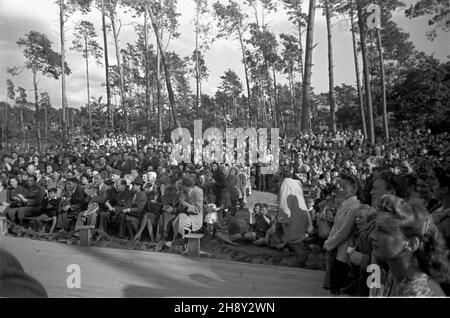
{"x":42,"y":15}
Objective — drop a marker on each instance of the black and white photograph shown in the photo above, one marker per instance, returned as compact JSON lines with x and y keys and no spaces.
{"x":224,"y":154}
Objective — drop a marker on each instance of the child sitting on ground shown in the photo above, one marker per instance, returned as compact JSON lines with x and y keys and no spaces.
{"x":220,"y":228}
{"x":260,"y":225}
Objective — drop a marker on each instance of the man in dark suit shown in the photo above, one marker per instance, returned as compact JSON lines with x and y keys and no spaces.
{"x":127,"y":165}
{"x":99,"y":198}
{"x":115,"y":203}
{"x":134,"y":210}
{"x":40,"y":180}
{"x":219,"y":182}
{"x":102,"y":191}
{"x":191,"y":217}
{"x":31,"y":201}
{"x":72,"y":204}
{"x":146,"y":161}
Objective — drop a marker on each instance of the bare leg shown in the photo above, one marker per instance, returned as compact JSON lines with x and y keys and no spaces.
{"x":53,"y":225}
{"x":38,"y":222}
{"x":150,"y":230}
{"x":236,"y":237}
{"x":261,"y":242}
{"x":250,"y":236}
{"x":137,"y":237}
{"x":225,"y":239}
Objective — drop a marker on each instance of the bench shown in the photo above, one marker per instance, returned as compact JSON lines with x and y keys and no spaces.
{"x":85,"y":234}
{"x":193,"y":244}
{"x":3,"y":226}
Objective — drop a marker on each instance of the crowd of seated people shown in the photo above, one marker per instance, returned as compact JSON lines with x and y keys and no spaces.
{"x":337,"y":190}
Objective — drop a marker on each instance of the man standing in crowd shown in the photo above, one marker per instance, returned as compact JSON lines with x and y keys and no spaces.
{"x":219,"y":182}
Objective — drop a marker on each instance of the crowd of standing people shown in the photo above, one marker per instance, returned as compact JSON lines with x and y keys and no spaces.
{"x":387,"y":204}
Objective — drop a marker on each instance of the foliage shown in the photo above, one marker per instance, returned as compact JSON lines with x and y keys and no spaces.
{"x":438,"y":9}
{"x":423,"y":97}
{"x":40,"y":57}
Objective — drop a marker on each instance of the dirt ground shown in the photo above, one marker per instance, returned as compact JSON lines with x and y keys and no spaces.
{"x":309,"y":256}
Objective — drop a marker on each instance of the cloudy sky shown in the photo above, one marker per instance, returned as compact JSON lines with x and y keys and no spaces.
{"x":18,"y":17}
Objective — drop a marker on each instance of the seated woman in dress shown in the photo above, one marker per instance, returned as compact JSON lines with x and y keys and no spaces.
{"x":406,"y":237}
{"x":153,"y":208}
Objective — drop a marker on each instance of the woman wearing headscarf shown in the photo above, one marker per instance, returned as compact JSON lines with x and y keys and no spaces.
{"x":293,"y":213}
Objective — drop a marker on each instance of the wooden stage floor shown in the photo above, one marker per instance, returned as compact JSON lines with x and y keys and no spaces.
{"x":127,"y":273}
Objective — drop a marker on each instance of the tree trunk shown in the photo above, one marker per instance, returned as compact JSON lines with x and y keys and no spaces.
{"x":367,"y":83}
{"x":291,"y":88}
{"x":166,"y":68}
{"x":63,"y":70}
{"x":197,"y":67}
{"x":108,"y":88}
{"x":358,"y":79}
{"x":22,"y":126}
{"x":279,"y":119}
{"x":3,"y":123}
{"x":263,"y":102}
{"x":271,"y":96}
{"x":383,"y":86}
{"x":300,"y":57}
{"x":297,"y":114}
{"x":306,"y":117}
{"x":119,"y":68}
{"x":247,"y":81}
{"x":330,"y":68}
{"x":46,"y":124}
{"x":88,"y":89}
{"x":147,"y":78}
{"x":158,"y":94}
{"x":36,"y":107}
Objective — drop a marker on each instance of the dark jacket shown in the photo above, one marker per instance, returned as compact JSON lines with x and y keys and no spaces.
{"x":101,"y":196}
{"x":219,"y":177}
{"x":51,"y":207}
{"x":120,"y":201}
{"x":136,"y":203}
{"x":35,"y":195}
{"x":127,"y":166}
{"x":230,"y":183}
{"x":78,"y":200}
